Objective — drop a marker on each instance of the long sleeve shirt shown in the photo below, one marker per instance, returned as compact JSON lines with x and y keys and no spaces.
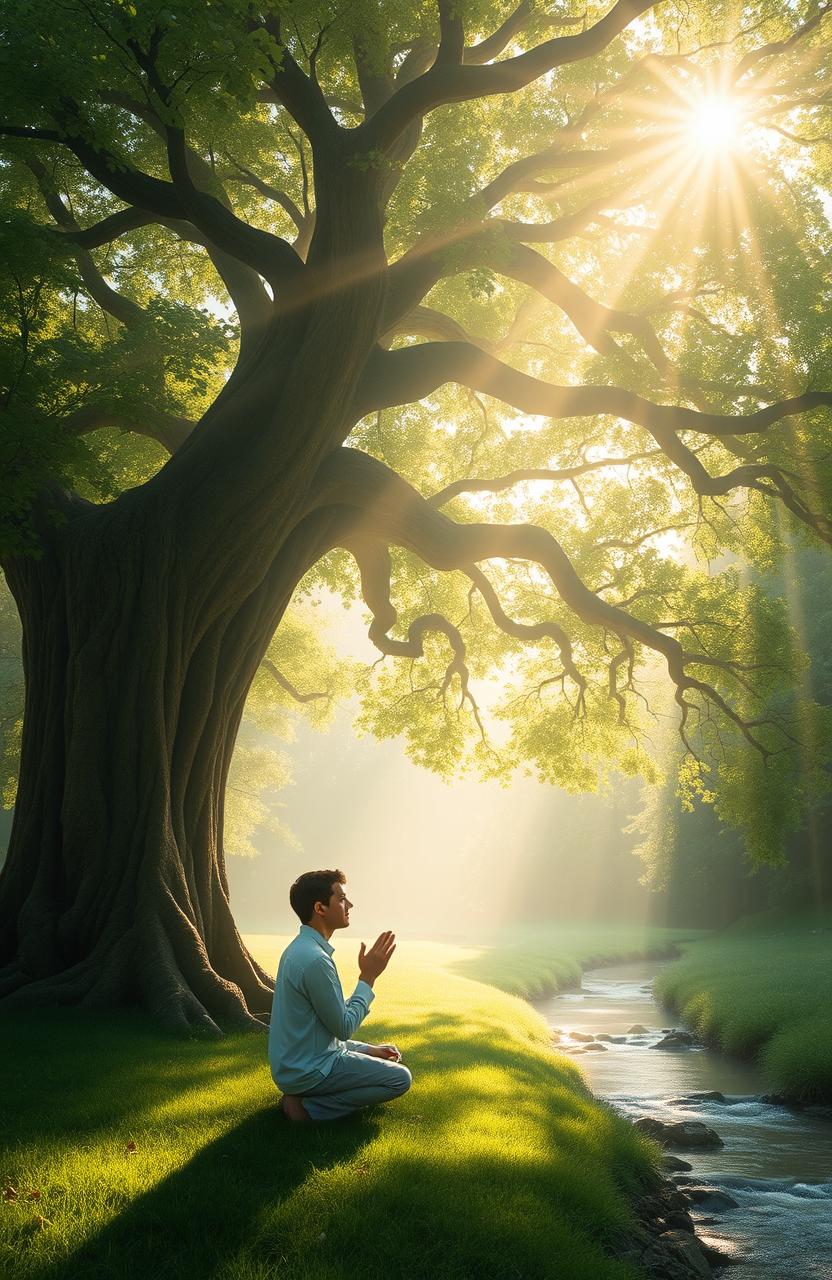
{"x":311,"y":1023}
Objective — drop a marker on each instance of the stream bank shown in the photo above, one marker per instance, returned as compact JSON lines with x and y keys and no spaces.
{"x":763,"y":1196}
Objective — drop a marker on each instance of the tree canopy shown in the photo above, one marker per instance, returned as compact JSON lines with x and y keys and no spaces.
{"x":598,"y":390}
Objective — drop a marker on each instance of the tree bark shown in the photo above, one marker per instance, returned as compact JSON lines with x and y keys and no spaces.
{"x":114,"y":890}
{"x":144,"y":622}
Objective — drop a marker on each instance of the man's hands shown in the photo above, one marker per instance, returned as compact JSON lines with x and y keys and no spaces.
{"x":388,"y":1051}
{"x":373,"y":962}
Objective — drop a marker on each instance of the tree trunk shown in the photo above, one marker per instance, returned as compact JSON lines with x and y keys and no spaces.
{"x":143,"y":625}
{"x":114,"y":890}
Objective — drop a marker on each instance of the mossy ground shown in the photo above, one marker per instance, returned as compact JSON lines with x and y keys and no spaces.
{"x":156,"y":1159}
{"x":763,"y":990}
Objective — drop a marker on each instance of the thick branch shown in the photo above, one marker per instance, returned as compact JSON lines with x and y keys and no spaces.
{"x":592,"y":319}
{"x":388,"y":510}
{"x":401,"y":377}
{"x":242,"y":283}
{"x":778,"y":47}
{"x":267,"y":254}
{"x":168,"y":429}
{"x":373,"y":560}
{"x":123,"y":309}
{"x":110,"y":228}
{"x":300,"y":94}
{"x":451,"y":35}
{"x":445,"y":83}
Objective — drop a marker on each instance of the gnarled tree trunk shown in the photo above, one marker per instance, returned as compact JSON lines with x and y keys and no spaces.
{"x":143,"y":624}
{"x":115,"y":884}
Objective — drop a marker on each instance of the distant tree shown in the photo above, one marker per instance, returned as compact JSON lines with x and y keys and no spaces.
{"x":504,"y":324}
{"x":698,"y":862}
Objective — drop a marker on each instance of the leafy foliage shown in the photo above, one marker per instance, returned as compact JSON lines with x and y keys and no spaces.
{"x":625,"y":257}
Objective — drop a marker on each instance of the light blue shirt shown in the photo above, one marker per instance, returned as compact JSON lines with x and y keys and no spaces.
{"x":311,"y":1022}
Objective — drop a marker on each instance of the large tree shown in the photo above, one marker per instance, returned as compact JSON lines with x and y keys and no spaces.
{"x":462,"y":305}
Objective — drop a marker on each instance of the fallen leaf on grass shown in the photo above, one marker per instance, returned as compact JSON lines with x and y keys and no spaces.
{"x":34,"y":1195}
{"x":131,"y":1148}
{"x":9,"y":1192}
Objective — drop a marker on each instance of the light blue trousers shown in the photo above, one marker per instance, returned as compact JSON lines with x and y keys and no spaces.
{"x":356,"y":1081}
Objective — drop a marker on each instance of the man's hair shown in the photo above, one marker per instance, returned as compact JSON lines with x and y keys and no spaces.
{"x":312,"y":887}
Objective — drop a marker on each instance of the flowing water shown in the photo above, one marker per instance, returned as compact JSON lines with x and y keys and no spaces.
{"x":776,"y":1162}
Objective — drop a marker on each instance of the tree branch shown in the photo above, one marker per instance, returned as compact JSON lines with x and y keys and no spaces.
{"x":373,"y":560}
{"x":779,"y":47}
{"x":444,"y":83}
{"x":243,"y":284}
{"x":123,"y":309}
{"x":403,"y":376}
{"x":451,"y":35}
{"x":498,"y":485}
{"x":388,"y":510}
{"x":300,"y":94}
{"x":494,"y":44}
{"x":286,"y":684}
{"x":168,"y":429}
{"x":416,"y":272}
{"x":110,"y":228}
{"x":267,"y":254}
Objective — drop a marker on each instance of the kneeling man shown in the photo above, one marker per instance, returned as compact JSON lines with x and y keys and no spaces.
{"x":322,"y":1072}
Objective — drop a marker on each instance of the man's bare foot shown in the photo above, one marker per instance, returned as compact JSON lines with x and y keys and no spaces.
{"x":293,"y":1109}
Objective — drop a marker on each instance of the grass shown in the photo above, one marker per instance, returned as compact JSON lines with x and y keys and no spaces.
{"x":161,"y":1159}
{"x":763,"y":990}
{"x":542,"y":960}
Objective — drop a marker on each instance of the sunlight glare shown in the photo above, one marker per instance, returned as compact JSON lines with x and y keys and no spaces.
{"x":715,"y":123}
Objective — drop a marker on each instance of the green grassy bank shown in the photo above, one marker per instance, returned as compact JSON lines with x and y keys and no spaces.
{"x":137,"y":1157}
{"x":542,"y":960}
{"x":763,"y":989}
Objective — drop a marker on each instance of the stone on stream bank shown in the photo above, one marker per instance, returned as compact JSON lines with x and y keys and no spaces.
{"x":676,"y":1040}
{"x":664,"y":1243}
{"x":710,"y":1198}
{"x":684,"y":1135}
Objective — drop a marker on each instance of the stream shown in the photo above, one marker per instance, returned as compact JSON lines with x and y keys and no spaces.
{"x":776,"y":1163}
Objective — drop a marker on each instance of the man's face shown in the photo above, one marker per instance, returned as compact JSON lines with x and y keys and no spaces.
{"x":336,"y":913}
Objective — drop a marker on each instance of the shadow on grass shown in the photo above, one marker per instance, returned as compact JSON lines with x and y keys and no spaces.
{"x":200,"y":1218}
{"x":75,"y":1088}
{"x":497,"y":1163}
{"x":67,"y":1073}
